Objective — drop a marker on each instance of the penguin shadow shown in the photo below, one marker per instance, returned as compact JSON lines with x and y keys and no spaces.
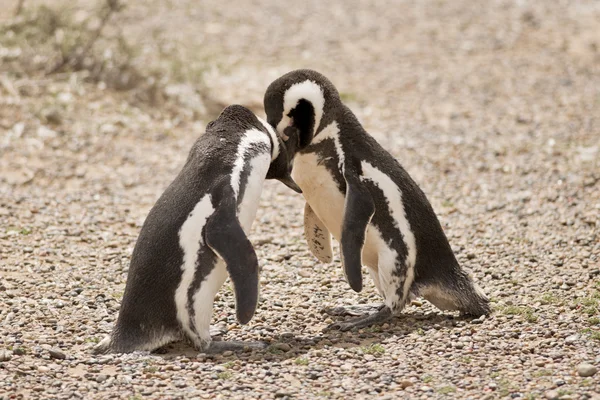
{"x":285,"y":346}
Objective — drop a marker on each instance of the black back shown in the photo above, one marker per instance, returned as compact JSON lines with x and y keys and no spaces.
{"x":155,"y":269}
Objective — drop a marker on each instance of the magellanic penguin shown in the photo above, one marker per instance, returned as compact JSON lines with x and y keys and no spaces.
{"x":357,"y":192}
{"x":195,"y":236}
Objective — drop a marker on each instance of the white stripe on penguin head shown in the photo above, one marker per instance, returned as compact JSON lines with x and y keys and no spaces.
{"x":274,"y":138}
{"x":309,"y":91}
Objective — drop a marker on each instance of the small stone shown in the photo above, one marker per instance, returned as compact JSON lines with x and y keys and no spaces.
{"x":571,"y":339}
{"x":227,"y":353}
{"x":551,"y":395}
{"x":57,"y":353}
{"x":540,"y":363}
{"x":585,"y":370}
{"x":282,"y":346}
{"x":65,"y":98}
{"x":43,"y":369}
{"x":53,"y":116}
{"x":346,"y":367}
{"x":406,"y":383}
{"x":101,"y":378}
{"x":287,"y":335}
{"x":45,"y":132}
{"x":5,"y":355}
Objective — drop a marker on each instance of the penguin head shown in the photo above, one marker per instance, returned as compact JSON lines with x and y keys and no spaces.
{"x":281,"y":164}
{"x":299,"y":105}
{"x":281,"y":168}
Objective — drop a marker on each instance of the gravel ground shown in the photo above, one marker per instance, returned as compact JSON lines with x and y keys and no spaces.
{"x":493,"y":107}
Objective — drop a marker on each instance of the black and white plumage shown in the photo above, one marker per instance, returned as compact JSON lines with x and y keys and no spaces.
{"x":357,"y":192}
{"x":195,"y":236}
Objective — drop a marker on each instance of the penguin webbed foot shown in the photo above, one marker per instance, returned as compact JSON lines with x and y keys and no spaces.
{"x":103,"y":347}
{"x":234,"y":345}
{"x":384,"y":314}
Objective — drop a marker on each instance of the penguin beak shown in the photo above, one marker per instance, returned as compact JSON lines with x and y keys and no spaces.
{"x":289,"y":182}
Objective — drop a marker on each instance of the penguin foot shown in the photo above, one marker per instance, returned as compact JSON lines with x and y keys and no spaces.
{"x":234,"y":345}
{"x":379,"y":317}
{"x":103,"y":347}
{"x":354,"y":310}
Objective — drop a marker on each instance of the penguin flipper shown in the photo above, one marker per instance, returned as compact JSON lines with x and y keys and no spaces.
{"x":317,"y":236}
{"x":227,"y":239}
{"x":358,"y":211}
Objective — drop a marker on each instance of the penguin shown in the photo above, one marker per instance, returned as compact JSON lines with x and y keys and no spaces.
{"x":194,"y":237}
{"x":359,"y":193}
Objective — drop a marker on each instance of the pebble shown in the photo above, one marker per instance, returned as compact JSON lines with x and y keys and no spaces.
{"x":552,"y":395}
{"x":571,"y":339}
{"x":57,"y":353}
{"x":405,"y":384}
{"x":282,"y":346}
{"x":506,"y":139}
{"x":5,"y":355}
{"x":586,"y":370}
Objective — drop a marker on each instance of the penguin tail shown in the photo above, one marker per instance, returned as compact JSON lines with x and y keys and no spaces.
{"x":456,"y":291}
{"x":135,"y":340}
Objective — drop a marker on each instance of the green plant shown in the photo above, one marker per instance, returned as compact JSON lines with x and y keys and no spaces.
{"x":523,"y":311}
{"x":224,"y":375}
{"x":549,"y":298}
{"x":375,"y":349}
{"x":446,"y":390}
{"x":542,"y":372}
{"x":301,"y":361}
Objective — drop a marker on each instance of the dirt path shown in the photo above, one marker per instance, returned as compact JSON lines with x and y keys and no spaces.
{"x":493,"y":107}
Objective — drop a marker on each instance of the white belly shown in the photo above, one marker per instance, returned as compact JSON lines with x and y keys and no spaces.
{"x":326,"y":200}
{"x":320,"y":191}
